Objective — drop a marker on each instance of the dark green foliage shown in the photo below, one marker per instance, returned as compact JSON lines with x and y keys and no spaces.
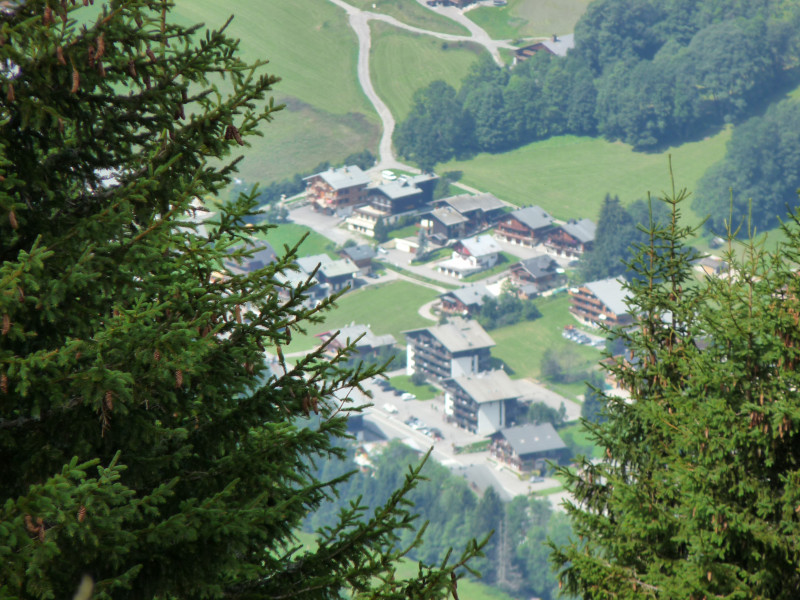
{"x":648,"y":72}
{"x":505,"y":310}
{"x":516,"y":556}
{"x":381,"y":231}
{"x":762,"y":166}
{"x":699,"y":496}
{"x":540,"y":413}
{"x":437,"y":128}
{"x":593,"y":400}
{"x":142,"y":438}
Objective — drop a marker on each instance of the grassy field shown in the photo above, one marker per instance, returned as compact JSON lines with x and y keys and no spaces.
{"x":422,"y":392}
{"x":523,"y":345}
{"x":311,"y":46}
{"x":407,"y":568}
{"x":403,"y":62}
{"x":412,"y":13}
{"x":529,"y":18}
{"x":569,"y":176}
{"x":288,"y":234}
{"x":388,"y":308}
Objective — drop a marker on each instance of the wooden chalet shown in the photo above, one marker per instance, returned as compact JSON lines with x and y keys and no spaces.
{"x":528,"y":226}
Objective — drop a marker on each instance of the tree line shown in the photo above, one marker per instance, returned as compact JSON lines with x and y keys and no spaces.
{"x":516,"y":556}
{"x":649,"y":73}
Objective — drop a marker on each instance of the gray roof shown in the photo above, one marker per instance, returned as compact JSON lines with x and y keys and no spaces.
{"x":468,"y":202}
{"x":352,"y":332}
{"x":447,"y":216}
{"x":399,"y":188}
{"x":583,"y":230}
{"x":337,"y":268}
{"x":533,"y":217}
{"x":529,"y":439}
{"x":343,"y":177}
{"x":307,"y":264}
{"x":488,"y":386}
{"x":459,"y":335}
{"x":539,"y":266}
{"x":561,"y":45}
{"x":611,"y":293}
{"x":471,"y":294}
{"x":481,"y":245}
{"x":360,"y":252}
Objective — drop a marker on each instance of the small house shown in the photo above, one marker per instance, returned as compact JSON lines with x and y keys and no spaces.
{"x":528,"y":447}
{"x":528,"y":226}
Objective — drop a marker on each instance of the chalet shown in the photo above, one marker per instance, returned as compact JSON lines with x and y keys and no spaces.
{"x":444,"y":223}
{"x":458,"y":347}
{"x":389,"y":200}
{"x":556,"y":45}
{"x":526,"y":227}
{"x":361,"y":255}
{"x":481,"y":210}
{"x":535,"y":275}
{"x":471,"y":255}
{"x":528,"y":447}
{"x":600,"y":302}
{"x":367,"y":344}
{"x":712,"y":266}
{"x":481,"y":402}
{"x":263,"y":256}
{"x":403,"y":195}
{"x":466,"y":300}
{"x":337,"y":190}
{"x":336,"y":274}
{"x":572,"y":238}
{"x":290,"y":281}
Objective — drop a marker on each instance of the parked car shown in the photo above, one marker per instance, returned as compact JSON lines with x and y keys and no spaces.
{"x":408,"y":396}
{"x":390,"y":408}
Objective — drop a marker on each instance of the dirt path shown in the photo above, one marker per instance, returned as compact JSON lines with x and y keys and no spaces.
{"x":359,"y":21}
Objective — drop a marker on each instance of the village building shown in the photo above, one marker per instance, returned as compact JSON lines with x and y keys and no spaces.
{"x":600,"y":302}
{"x":528,"y":226}
{"x":557,"y":45}
{"x":713,"y":266}
{"x":458,"y":347}
{"x":390,"y":200}
{"x":264,"y":255}
{"x":471,"y":255}
{"x":336,"y":274}
{"x":337,"y":191}
{"x":528,"y":447}
{"x":443,"y":224}
{"x":367,"y":344}
{"x":466,"y":300}
{"x":361,"y":255}
{"x":535,"y":275}
{"x":482,"y":402}
{"x":571,"y":239}
{"x":290,"y":281}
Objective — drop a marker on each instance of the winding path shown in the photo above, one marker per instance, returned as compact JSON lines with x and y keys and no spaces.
{"x":359,"y":21}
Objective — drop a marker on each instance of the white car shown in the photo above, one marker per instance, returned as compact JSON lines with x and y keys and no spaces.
{"x":408,"y":396}
{"x":390,"y":408}
{"x":388,"y":175}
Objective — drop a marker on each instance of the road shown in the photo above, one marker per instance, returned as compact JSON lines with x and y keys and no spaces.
{"x":359,"y":21}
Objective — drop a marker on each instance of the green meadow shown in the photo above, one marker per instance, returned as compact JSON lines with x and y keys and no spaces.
{"x":523,"y":345}
{"x":569,"y":176}
{"x":311,"y":46}
{"x":289,"y":234}
{"x":387,"y":308}
{"x":529,"y":18}
{"x":412,"y":13}
{"x":403,"y":62}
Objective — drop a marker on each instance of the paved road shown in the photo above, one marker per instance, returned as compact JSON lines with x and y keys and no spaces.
{"x":359,"y":21}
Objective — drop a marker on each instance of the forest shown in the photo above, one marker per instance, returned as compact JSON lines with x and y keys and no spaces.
{"x":651,"y":74}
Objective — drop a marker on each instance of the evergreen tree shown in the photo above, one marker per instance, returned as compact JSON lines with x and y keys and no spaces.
{"x":143,"y":438}
{"x":699,"y":495}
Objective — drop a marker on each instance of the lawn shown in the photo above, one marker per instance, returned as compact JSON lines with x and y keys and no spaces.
{"x":288,"y":234}
{"x":523,"y":345}
{"x":387,"y":308}
{"x":403,"y":62}
{"x":569,"y":176}
{"x":529,"y":18}
{"x":311,"y":46}
{"x":412,"y":13}
{"x":422,"y":392}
